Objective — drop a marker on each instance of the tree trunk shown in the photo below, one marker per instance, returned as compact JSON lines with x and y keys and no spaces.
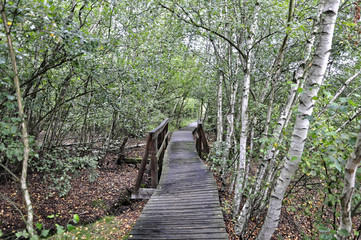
{"x":305,"y":109}
{"x":230,"y":131}
{"x":267,"y":169}
{"x":244,"y":113}
{"x":348,"y":188}
{"x":23,"y":179}
{"x":179,"y":115}
{"x":219,"y":109}
{"x":338,"y":93}
{"x":350,"y":119}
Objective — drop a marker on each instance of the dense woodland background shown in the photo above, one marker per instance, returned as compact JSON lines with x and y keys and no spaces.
{"x":94,"y":74}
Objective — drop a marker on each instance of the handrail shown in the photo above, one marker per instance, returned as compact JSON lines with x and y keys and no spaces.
{"x":201,"y":141}
{"x":159,"y":128}
{"x":157,"y":142}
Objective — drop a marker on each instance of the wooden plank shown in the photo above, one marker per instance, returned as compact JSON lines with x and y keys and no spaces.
{"x":143,"y":193}
{"x":142,"y":167}
{"x":185,"y":204}
{"x":159,"y":128}
{"x":177,"y":227}
{"x":164,"y":143}
{"x":154,"y":164}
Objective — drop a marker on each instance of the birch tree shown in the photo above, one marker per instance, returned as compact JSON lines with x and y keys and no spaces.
{"x":219,"y":109}
{"x":305,"y":109}
{"x":244,"y":111}
{"x":352,"y":164}
{"x":25,"y":138}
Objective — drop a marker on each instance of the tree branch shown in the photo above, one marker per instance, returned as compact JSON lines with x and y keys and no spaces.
{"x":192,"y":22}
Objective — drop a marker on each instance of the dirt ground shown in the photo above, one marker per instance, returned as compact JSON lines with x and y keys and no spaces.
{"x":109,"y":195}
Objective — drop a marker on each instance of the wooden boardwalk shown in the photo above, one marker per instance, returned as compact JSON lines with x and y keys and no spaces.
{"x":185,"y":204}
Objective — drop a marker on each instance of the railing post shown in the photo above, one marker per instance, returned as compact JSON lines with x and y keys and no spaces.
{"x":204,"y":139}
{"x":142,"y":166}
{"x":153,"y":162}
{"x":199,"y":142}
{"x":156,"y":144}
{"x":164,"y":135}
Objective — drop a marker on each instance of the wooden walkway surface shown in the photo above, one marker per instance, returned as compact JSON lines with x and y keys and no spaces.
{"x":185,"y":204}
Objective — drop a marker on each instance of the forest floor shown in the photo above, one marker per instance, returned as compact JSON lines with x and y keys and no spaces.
{"x":109,"y":196}
{"x":106,"y":212}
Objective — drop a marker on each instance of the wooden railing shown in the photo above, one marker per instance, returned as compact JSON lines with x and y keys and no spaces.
{"x":201,"y":141}
{"x":157,"y":142}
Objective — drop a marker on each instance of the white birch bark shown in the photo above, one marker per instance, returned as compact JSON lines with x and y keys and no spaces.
{"x":305,"y":109}
{"x":348,"y":188}
{"x":266,"y":157}
{"x":244,"y":112}
{"x":230,"y":129}
{"x":24,"y":131}
{"x":220,"y":110}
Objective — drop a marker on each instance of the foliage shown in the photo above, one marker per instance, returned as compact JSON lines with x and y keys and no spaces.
{"x":94,"y":73}
{"x":107,"y":226}
{"x":60,"y":169}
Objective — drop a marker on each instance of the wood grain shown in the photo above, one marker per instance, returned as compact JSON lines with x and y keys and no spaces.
{"x":185,"y":204}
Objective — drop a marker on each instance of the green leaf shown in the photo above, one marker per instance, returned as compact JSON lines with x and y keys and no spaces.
{"x":352,"y":140}
{"x":343,"y":109}
{"x":294,"y":158}
{"x":51,"y":216}
{"x":356,"y":233}
{"x":337,"y":166}
{"x":343,"y":99}
{"x":352,"y":103}
{"x":59,"y":229}
{"x":10,"y":97}
{"x":299,"y":90}
{"x":344,"y":233}
{"x":323,"y":229}
{"x":334,"y":106}
{"x":327,"y":94}
{"x":24,"y":234}
{"x":70,"y":227}
{"x":315,"y":98}
{"x":45,"y":233}
{"x":309,"y":118}
{"x":76,"y":218}
{"x":1,"y":233}
{"x":34,"y":237}
{"x":39,"y":225}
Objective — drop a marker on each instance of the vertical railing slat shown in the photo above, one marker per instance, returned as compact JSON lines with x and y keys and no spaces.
{"x":154,"y":148}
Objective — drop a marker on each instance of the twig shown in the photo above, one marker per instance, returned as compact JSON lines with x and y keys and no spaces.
{"x":14,"y":205}
{"x":10,"y":172}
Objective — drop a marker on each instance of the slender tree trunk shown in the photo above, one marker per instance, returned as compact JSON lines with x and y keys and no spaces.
{"x":230,"y":131}
{"x":175,"y":107}
{"x":305,"y":109}
{"x":23,"y":179}
{"x":338,"y":93}
{"x":348,"y":188}
{"x":219,"y":109}
{"x":267,"y":168}
{"x":244,"y":113}
{"x":179,"y":115}
{"x":356,"y":114}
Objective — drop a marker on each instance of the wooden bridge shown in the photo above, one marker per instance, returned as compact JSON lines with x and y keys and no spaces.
{"x":185,"y":204}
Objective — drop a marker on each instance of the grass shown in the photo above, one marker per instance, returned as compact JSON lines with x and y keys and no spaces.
{"x":184,"y":122}
{"x":109,"y":227}
{"x":172,"y":124}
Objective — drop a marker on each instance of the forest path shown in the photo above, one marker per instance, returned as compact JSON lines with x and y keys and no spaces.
{"x":185,"y":205}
